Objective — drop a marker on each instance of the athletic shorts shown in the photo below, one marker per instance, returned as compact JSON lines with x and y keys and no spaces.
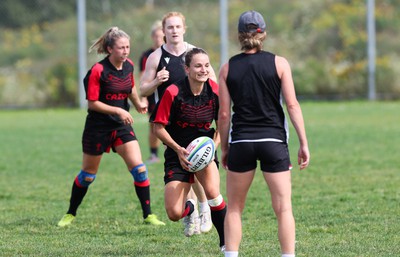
{"x":96,"y":142}
{"x":174,"y":171}
{"x":273,"y":156}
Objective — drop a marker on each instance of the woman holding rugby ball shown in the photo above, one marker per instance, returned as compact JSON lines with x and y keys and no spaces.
{"x":185,"y":112}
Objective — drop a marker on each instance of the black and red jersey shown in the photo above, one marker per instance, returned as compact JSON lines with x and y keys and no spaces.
{"x":143,"y":58}
{"x":185,"y":115}
{"x":142,"y":61}
{"x":105,"y":83}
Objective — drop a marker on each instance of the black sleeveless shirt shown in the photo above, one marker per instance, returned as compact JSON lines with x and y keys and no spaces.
{"x":255,"y":90}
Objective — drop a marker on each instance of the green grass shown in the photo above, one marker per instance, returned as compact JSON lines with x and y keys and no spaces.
{"x":347,"y":203}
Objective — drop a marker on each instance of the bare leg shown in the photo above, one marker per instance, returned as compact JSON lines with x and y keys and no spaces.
{"x":280,"y":187}
{"x":237,"y":186}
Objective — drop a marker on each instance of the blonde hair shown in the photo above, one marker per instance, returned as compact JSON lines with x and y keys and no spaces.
{"x":107,"y":40}
{"x":250,"y":40}
{"x":172,"y":14}
{"x":157,"y":25}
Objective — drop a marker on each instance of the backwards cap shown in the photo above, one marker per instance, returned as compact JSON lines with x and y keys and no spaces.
{"x":251,"y":21}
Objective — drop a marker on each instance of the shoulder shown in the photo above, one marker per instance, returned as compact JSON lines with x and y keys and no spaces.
{"x":214,"y":86}
{"x":172,"y":90}
{"x":282,"y":65}
{"x":129,"y":62}
{"x":189,"y":46}
{"x":155,"y":55}
{"x":98,"y":67}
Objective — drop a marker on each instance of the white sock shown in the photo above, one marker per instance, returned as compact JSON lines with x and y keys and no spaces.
{"x":288,"y":255}
{"x":231,"y":254}
{"x":216,"y":201}
{"x":204,"y":206}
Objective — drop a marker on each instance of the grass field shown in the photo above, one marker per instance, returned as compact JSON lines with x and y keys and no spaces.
{"x":347,"y":203}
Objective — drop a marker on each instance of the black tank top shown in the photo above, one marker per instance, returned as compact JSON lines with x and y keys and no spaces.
{"x":175,"y":65}
{"x":255,"y":89}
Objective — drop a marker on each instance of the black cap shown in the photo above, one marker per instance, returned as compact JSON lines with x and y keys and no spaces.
{"x":251,"y":21}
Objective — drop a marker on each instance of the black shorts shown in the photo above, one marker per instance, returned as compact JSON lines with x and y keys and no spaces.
{"x":96,"y":142}
{"x":273,"y":156}
{"x":174,"y":171}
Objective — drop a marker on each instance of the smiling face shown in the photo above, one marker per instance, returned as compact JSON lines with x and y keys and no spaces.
{"x":119,"y":52}
{"x":174,"y":29}
{"x":199,"y":68}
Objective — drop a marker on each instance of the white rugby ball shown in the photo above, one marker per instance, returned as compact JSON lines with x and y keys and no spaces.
{"x":201,"y":153}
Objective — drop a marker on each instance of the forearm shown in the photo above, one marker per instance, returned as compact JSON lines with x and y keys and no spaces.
{"x":223,"y":131}
{"x":148,"y":88}
{"x":165,"y":137}
{"x":102,"y":107}
{"x":296,"y":117}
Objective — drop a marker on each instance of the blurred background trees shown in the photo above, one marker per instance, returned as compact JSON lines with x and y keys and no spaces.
{"x":325,"y":42}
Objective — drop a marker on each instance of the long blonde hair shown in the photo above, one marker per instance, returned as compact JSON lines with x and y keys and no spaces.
{"x":107,"y":40}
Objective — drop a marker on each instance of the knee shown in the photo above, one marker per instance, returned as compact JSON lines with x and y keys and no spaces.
{"x":84,"y":179}
{"x":139,"y":173}
{"x":173,"y":215}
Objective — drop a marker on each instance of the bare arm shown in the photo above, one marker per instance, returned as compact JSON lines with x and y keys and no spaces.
{"x":108,"y":109}
{"x":165,"y":137}
{"x":293,"y":108}
{"x":224,"y":114}
{"x":140,"y":105}
{"x":150,"y":78}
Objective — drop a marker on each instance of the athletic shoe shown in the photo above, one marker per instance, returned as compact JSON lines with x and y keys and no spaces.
{"x":153,"y":220}
{"x":66,"y":220}
{"x":152,"y":159}
{"x":192,"y":224}
{"x":205,"y":221}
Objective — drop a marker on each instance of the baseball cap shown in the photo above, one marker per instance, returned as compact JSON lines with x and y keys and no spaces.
{"x":251,"y":21}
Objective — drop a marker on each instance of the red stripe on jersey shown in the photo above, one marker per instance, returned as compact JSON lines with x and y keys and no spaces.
{"x":164,"y":108}
{"x":133,"y":77}
{"x":214,"y":86}
{"x":93,"y":90}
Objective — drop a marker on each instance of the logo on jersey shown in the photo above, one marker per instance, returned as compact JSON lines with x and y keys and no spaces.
{"x":166,"y":59}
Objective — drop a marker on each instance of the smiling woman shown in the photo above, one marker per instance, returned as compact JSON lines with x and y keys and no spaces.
{"x":180,"y":117}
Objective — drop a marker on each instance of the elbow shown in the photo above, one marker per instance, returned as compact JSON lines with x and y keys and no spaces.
{"x":223,"y":117}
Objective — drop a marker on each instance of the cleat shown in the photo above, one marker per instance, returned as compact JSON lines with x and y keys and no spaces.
{"x":66,"y":220}
{"x":153,"y":220}
{"x":152,"y":159}
{"x":192,"y":224}
{"x":205,"y":221}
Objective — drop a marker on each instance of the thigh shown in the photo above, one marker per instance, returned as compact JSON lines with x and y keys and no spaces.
{"x":175,"y":193}
{"x":210,"y":180}
{"x":280,"y":186}
{"x":237,"y":187}
{"x":130,"y":153}
{"x":90,"y":163}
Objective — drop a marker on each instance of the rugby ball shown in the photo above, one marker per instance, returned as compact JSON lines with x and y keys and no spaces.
{"x":201,"y":153}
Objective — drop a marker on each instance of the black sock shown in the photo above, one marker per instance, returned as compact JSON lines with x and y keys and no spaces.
{"x":218,"y":218}
{"x":77,"y":195}
{"x":154,"y":151}
{"x":143,"y":193}
{"x":189,"y":209}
